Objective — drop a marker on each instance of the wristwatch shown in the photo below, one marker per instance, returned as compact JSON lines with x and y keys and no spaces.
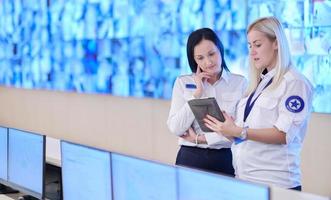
{"x":243,"y":134}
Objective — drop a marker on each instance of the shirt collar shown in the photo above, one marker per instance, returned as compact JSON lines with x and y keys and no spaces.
{"x":268,"y":75}
{"x":225,"y":76}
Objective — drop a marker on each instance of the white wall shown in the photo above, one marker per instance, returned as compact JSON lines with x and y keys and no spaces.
{"x":136,"y":127}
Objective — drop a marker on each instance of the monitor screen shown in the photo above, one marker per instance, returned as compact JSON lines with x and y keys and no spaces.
{"x":3,"y":153}
{"x":26,"y":162}
{"x":194,"y":184}
{"x":140,"y":179}
{"x":86,"y":172}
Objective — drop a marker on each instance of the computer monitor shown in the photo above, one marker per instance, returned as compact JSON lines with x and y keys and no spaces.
{"x":141,"y":179}
{"x":3,"y":154}
{"x":26,"y":162}
{"x":86,"y":172}
{"x":196,"y":184}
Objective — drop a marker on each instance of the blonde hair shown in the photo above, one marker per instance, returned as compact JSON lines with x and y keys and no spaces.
{"x":274,"y":31}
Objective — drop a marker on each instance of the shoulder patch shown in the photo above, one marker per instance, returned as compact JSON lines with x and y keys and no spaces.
{"x":294,"y":104}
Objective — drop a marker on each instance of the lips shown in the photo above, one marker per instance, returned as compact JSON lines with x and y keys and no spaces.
{"x":210,"y":67}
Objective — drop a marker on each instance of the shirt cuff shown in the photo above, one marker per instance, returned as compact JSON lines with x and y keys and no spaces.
{"x":216,"y":139}
{"x":284,"y":124}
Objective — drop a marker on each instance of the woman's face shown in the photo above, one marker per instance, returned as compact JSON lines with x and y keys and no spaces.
{"x":262,"y":51}
{"x":208,"y":57}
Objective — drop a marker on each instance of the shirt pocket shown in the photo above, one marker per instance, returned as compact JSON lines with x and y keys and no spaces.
{"x":188,"y":94}
{"x":267,"y":103}
{"x":230,"y":101}
{"x":267,"y":110}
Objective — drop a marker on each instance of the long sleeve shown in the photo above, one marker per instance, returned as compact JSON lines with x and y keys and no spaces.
{"x":180,"y":116}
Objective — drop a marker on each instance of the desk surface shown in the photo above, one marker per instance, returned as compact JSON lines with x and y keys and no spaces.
{"x":280,"y":194}
{"x":53,"y":151}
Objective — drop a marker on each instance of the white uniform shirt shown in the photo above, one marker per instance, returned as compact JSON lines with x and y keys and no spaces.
{"x":228,"y":90}
{"x":287,"y":108}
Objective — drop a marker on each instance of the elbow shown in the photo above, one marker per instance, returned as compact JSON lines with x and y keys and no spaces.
{"x":279,"y":136}
{"x":174,"y":128}
{"x":282,"y":138}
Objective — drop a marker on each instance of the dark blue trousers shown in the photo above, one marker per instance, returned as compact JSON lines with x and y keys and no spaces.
{"x":213,"y":160}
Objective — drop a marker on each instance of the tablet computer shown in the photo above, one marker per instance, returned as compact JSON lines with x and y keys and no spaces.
{"x":202,"y":107}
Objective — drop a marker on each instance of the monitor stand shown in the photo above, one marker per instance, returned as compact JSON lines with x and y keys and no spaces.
{"x":7,"y":190}
{"x":27,"y":197}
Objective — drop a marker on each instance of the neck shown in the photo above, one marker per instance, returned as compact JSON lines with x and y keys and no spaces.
{"x":272,"y":65}
{"x":214,"y":78}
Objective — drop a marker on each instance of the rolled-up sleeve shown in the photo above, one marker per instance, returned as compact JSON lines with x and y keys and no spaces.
{"x":294,"y":109}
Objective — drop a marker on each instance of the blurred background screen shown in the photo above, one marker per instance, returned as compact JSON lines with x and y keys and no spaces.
{"x":138,"y":47}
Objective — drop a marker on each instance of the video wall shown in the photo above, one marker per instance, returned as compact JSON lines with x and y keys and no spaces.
{"x":138,"y":47}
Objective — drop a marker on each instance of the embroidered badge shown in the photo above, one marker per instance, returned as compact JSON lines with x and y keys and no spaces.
{"x":190,"y":86}
{"x":294,"y":104}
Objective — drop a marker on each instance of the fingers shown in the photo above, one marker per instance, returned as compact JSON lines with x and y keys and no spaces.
{"x":211,"y":122}
{"x":189,"y":135}
{"x":211,"y":119}
{"x":202,"y":74}
{"x":211,"y":126}
{"x":191,"y":131}
{"x":205,"y":75}
{"x":186,"y":135}
{"x":198,"y":70}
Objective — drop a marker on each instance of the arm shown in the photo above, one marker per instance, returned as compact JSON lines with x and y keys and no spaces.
{"x":199,"y":78}
{"x":191,"y":136}
{"x":240,"y":84}
{"x":266,"y":135}
{"x":180,"y":116}
{"x":285,"y":128}
{"x":293,"y":118}
{"x":229,"y":129}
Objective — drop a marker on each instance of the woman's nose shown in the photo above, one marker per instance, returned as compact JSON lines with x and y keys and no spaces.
{"x":252,"y":52}
{"x":208,"y":61}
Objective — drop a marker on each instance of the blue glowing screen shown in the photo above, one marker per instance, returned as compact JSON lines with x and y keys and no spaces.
{"x":141,"y":179}
{"x":86,"y":172}
{"x":208,"y":186}
{"x":3,"y":153}
{"x":137,"y":47}
{"x":26,"y":156}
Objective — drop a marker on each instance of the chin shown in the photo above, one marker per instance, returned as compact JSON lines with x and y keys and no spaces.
{"x":259,"y":67}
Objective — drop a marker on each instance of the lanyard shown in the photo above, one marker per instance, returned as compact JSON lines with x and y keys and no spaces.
{"x":249,"y":104}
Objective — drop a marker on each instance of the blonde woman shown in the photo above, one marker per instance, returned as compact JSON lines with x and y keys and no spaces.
{"x":271,"y":120}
